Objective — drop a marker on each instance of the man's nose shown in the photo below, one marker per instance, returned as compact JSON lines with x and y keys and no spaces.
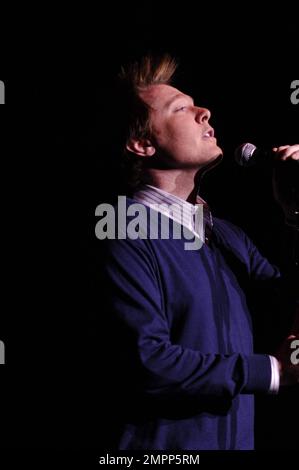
{"x":202,"y":115}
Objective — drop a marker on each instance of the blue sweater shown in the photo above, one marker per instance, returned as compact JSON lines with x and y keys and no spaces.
{"x":182,"y":340}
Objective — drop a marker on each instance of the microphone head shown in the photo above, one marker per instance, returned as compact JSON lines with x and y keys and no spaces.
{"x":244,"y":154}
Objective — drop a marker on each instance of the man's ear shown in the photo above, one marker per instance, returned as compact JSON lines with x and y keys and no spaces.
{"x":142,"y":147}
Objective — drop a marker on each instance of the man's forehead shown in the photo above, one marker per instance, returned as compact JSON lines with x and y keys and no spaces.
{"x":160,"y":94}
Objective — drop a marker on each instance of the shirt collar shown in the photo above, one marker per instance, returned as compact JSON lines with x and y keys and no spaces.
{"x":176,"y":208}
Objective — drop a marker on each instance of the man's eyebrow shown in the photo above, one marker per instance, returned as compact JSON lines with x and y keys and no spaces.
{"x":176,"y":97}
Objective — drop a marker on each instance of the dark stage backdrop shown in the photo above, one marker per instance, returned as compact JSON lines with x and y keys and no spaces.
{"x":59,"y":129}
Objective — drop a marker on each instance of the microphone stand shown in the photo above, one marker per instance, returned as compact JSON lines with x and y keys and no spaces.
{"x":292,"y":238}
{"x":286,"y":192}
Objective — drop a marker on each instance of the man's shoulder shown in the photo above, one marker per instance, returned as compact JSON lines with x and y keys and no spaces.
{"x":233,"y":238}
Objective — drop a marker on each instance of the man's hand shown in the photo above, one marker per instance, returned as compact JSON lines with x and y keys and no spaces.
{"x":289,"y":370}
{"x":286,"y":181}
{"x":287,"y":152}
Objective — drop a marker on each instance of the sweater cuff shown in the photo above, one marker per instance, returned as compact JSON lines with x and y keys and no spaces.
{"x":258,"y":374}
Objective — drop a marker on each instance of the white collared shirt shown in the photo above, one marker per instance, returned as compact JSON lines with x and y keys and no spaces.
{"x":176,"y":208}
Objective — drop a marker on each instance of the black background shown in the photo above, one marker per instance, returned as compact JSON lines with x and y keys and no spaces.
{"x":59,"y":129}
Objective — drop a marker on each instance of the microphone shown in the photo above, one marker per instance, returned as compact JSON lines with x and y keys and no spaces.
{"x":247,"y":155}
{"x":285,"y":178}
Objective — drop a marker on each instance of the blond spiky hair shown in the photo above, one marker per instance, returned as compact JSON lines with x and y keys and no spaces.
{"x":149,"y":71}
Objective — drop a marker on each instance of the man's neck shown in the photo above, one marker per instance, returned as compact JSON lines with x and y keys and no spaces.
{"x":180,"y":183}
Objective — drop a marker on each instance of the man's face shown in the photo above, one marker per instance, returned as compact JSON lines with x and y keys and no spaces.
{"x":181,"y":134}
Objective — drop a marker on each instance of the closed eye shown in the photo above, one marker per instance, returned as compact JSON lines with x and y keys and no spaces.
{"x":181,"y":108}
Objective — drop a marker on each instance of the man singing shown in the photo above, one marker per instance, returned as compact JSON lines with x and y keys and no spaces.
{"x":181,"y":331}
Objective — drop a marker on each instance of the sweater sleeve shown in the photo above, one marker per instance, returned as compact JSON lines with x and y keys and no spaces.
{"x":236,"y":241}
{"x":260,"y":267}
{"x":135,"y":299}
